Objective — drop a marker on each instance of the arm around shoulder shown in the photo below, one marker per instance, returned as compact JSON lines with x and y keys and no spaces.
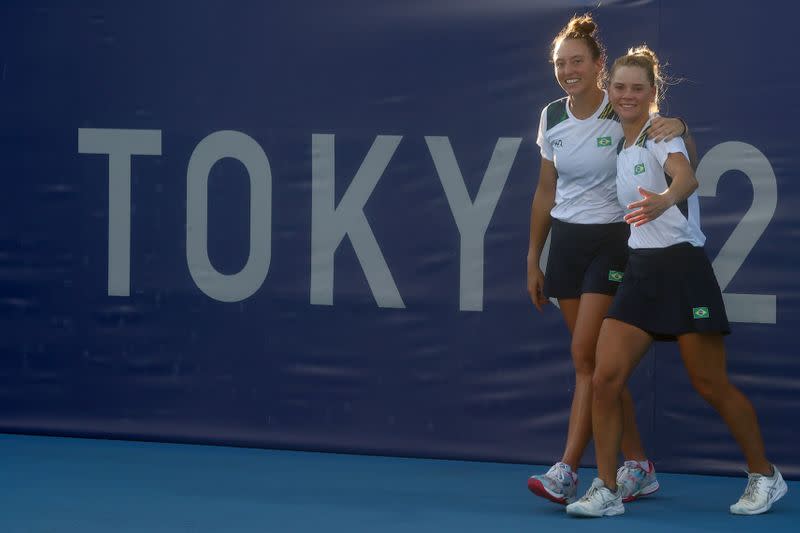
{"x":684,"y":182}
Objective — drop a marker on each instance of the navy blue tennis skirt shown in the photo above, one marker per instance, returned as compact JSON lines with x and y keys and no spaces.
{"x":669,"y":292}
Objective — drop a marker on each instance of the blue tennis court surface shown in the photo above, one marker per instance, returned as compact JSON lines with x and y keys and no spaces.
{"x":64,"y":485}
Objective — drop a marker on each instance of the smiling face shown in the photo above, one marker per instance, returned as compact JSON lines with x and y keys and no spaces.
{"x":631,"y":93}
{"x":575,"y":69}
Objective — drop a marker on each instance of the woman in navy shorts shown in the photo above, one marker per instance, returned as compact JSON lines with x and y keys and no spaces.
{"x":576,"y":199}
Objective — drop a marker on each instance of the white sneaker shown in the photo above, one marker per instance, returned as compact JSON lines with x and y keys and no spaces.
{"x":634,"y":481}
{"x":761,"y":492}
{"x":559,"y":484}
{"x":598,"y":501}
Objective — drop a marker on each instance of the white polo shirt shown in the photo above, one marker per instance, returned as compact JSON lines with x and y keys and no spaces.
{"x":584,"y":154}
{"x":642,"y":165}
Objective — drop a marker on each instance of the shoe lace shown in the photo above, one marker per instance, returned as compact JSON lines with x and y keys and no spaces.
{"x":557,"y":471}
{"x":627,"y":473}
{"x":592,"y":494}
{"x":752,"y":488}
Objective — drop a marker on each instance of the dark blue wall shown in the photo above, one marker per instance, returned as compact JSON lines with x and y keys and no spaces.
{"x":242,"y":307}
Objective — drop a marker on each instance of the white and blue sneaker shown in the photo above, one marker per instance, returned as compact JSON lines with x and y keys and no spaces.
{"x":634,"y":481}
{"x":598,"y":501}
{"x":559,"y":484}
{"x":761,"y":492}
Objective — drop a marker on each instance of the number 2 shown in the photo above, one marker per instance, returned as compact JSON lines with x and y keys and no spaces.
{"x":756,"y":308}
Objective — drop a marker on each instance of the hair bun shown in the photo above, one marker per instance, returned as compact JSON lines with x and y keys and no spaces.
{"x":583,"y":25}
{"x":644,"y":51}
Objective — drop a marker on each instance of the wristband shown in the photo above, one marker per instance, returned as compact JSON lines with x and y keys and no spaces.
{"x":685,"y":128}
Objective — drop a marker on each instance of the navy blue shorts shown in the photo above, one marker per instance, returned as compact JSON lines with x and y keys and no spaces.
{"x":585,"y":258}
{"x":670,"y":291}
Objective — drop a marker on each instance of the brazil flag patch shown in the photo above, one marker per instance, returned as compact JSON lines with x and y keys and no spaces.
{"x":615,"y":275}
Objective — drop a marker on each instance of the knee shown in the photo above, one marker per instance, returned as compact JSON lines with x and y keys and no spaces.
{"x":711,"y":390}
{"x":607,"y":386}
{"x":583,"y":357}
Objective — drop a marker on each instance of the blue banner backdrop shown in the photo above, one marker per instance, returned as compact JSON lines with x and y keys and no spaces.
{"x":304,"y":224}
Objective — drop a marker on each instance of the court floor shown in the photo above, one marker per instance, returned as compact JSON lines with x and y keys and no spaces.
{"x":64,"y":485}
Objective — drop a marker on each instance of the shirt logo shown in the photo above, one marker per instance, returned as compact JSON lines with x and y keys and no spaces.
{"x":603,"y":141}
{"x":558,"y":143}
{"x":638,"y":169}
{"x":700,"y":312}
{"x":615,"y":275}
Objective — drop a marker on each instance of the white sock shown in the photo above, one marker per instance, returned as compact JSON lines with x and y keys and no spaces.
{"x":645,"y":465}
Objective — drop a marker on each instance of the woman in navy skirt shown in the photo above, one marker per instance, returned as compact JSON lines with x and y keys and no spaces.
{"x":669,"y":292}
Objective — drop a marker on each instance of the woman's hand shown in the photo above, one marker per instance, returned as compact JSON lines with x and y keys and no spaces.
{"x":665,"y":129}
{"x":650,"y":207}
{"x":536,"y":285}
